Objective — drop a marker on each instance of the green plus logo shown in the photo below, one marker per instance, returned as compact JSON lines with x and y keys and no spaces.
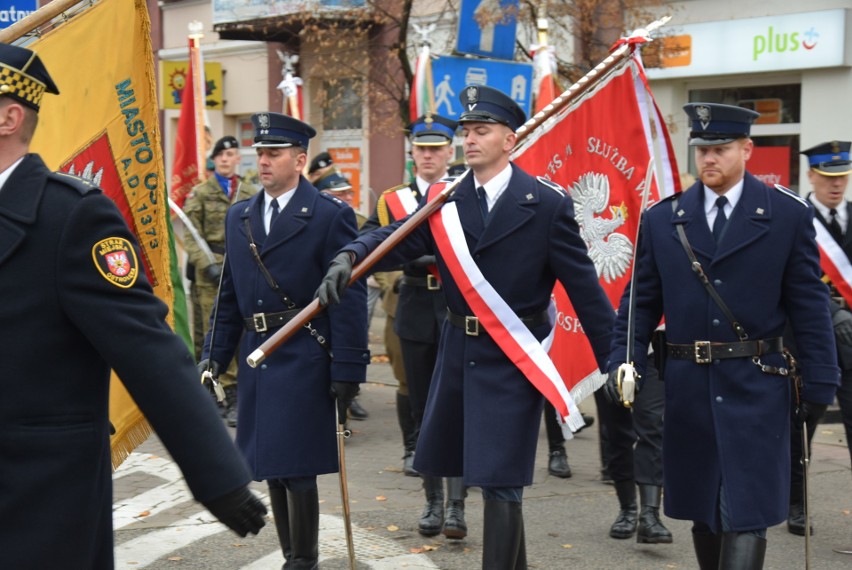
{"x":783,"y":42}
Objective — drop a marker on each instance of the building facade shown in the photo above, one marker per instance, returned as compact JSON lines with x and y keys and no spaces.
{"x":787,"y":60}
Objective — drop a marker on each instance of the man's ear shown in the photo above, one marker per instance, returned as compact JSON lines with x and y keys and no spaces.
{"x":11,"y":118}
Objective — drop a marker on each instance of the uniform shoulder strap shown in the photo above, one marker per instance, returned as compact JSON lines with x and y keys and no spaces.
{"x":81,"y":185}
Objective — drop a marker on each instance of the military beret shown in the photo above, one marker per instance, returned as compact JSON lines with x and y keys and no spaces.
{"x":224,"y":143}
{"x":281,"y":131}
{"x":483,"y":104}
{"x":830,"y":159}
{"x":714,"y":123}
{"x":333,"y":182}
{"x":23,"y":76}
{"x":432,"y":130}
{"x":321,"y":160}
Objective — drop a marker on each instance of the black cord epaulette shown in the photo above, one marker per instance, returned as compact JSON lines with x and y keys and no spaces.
{"x":81,"y":185}
{"x":336,"y":201}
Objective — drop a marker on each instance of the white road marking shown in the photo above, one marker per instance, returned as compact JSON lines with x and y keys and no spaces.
{"x":371,"y":550}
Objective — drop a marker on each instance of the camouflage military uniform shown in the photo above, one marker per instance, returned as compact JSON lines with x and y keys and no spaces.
{"x":205,"y":207}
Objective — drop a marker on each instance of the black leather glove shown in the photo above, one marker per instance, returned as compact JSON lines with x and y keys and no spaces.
{"x":336,"y":279}
{"x":239,"y":510}
{"x":613,"y":392}
{"x":344,"y":393}
{"x":610,"y":389}
{"x":842,"y":320}
{"x":214,"y":367}
{"x":212,"y":273}
{"x":424,"y":261}
{"x":810,"y":412}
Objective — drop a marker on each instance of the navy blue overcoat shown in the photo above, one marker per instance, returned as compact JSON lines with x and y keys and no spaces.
{"x":67,"y":318}
{"x":727,"y":423}
{"x":483,"y":416}
{"x":287,"y":422}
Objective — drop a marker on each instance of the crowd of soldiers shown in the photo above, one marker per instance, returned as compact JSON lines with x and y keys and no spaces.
{"x":464,"y":335}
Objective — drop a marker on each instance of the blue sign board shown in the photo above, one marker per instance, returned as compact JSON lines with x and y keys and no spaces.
{"x":452,"y":74}
{"x":13,"y":10}
{"x":487,"y":28}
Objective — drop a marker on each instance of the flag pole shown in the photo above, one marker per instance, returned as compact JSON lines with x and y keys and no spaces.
{"x":421,"y":215}
{"x":199,"y":93}
{"x":594,"y":75}
{"x":38,"y":18}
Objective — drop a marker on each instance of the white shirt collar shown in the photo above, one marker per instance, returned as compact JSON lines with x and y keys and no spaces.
{"x":283,"y":200}
{"x":423,"y":185}
{"x":825,"y":211}
{"x":733,"y":195}
{"x":495,"y":187}
{"x":4,"y":176}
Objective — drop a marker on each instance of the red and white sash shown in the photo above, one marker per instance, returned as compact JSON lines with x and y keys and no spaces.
{"x":833,"y":261}
{"x":401,"y":202}
{"x":495,"y":315}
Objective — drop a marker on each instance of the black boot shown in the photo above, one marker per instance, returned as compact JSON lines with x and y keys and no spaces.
{"x":708,"y":547}
{"x":651,"y":529}
{"x":521,"y":560}
{"x":796,"y":520}
{"x":433,"y":513}
{"x":357,"y":411}
{"x":742,"y":551}
{"x":230,"y":410}
{"x":625,"y":524}
{"x":502,"y":535}
{"x":278,"y":498}
{"x":557,"y":464}
{"x":409,"y":433}
{"x":454,"y":525}
{"x":304,"y":529}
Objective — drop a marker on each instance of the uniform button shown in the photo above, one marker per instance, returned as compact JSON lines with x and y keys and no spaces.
{"x":716,"y":362}
{"x":263,"y":366}
{"x":717,"y":282}
{"x":259,"y":302}
{"x":471,"y":364}
{"x":365,"y":355}
{"x":262,"y":335}
{"x":715,"y":322}
{"x":719,"y":399}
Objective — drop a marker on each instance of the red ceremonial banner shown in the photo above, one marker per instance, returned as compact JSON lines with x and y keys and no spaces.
{"x":599,"y":149}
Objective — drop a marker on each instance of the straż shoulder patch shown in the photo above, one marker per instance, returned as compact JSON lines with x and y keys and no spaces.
{"x":115,"y":259}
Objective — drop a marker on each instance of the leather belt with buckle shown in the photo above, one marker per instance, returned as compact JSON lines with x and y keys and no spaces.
{"x":430,"y":282}
{"x":262,"y":322}
{"x":705,"y":352}
{"x":471,"y":325}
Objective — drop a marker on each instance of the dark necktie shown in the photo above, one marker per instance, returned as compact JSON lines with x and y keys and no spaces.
{"x":274,"y":215}
{"x":834,"y":226}
{"x":721,"y":219}
{"x":483,"y":201}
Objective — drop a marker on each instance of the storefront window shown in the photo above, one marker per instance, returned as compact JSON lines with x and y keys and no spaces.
{"x":775,"y":159}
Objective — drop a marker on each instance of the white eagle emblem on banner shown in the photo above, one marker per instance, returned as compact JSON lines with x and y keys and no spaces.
{"x":610,"y":252}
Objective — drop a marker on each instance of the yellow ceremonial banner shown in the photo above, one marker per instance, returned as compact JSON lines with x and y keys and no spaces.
{"x":103,"y":126}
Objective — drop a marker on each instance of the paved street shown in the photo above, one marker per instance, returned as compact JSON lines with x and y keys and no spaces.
{"x":158,"y":525}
